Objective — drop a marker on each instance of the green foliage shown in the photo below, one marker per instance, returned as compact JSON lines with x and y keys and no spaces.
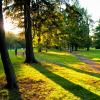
{"x":96,"y":38}
{"x":53,"y":26}
{"x":60,"y":75}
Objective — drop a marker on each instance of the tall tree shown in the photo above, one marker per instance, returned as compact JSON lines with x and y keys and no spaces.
{"x":8,"y":68}
{"x":96,"y":37}
{"x":28,"y":33}
{"x":23,"y":9}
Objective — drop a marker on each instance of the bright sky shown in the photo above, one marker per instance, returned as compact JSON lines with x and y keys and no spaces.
{"x":9,"y":27}
{"x":93,"y":8}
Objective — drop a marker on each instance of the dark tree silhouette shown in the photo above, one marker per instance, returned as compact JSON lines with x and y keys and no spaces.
{"x":28,"y":34}
{"x":8,"y":68}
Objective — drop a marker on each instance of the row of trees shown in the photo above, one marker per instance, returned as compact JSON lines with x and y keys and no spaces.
{"x":54,"y":26}
{"x":8,"y":68}
{"x":96,"y":36}
{"x":46,"y":25}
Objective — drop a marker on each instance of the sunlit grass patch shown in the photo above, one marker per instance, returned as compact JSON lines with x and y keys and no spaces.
{"x":57,"y":57}
{"x":65,"y":66}
{"x":60,"y":76}
{"x":49,"y":88}
{"x":68,"y":78}
{"x":59,"y":53}
{"x":96,"y":59}
{"x":93,"y":54}
{"x":84,"y":67}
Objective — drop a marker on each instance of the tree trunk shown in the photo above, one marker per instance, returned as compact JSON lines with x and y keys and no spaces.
{"x":68,"y":46}
{"x":88,"y":48}
{"x":39,"y":44}
{"x":46,"y":50}
{"x":76,"y":47}
{"x":8,"y":68}
{"x":28,"y":34}
{"x":72,"y":46}
{"x":16,"y":51}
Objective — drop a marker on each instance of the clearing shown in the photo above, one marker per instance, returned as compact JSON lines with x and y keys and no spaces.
{"x":60,"y":76}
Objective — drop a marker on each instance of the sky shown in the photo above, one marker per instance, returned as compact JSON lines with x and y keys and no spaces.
{"x":9,"y":27}
{"x":93,"y":8}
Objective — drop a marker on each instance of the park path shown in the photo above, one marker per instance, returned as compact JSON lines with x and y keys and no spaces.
{"x":89,"y":62}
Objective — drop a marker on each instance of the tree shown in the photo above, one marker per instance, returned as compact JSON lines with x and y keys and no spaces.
{"x":77,"y":29}
{"x":48,"y":17}
{"x":28,"y":33}
{"x":24,"y":6}
{"x":8,"y":68}
{"x":85,"y":24}
{"x":96,"y":38}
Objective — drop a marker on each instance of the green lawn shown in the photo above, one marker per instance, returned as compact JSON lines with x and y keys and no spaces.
{"x":93,"y":54}
{"x":60,"y":76}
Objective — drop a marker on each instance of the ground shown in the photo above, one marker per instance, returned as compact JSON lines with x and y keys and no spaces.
{"x":93,"y":64}
{"x":60,"y":76}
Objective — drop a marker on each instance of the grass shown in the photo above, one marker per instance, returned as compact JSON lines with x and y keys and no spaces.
{"x":60,"y":76}
{"x":93,"y":54}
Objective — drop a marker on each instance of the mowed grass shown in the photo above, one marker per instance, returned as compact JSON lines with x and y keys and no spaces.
{"x":60,"y":76}
{"x":93,"y":54}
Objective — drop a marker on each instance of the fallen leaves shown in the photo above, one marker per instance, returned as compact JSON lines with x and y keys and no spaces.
{"x":33,"y":89}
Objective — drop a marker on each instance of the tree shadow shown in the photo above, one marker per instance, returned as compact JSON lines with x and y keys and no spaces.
{"x":56,"y":58}
{"x":77,"y":90}
{"x":7,"y":93}
{"x":14,"y":94}
{"x":81,"y":71}
{"x":53,"y":58}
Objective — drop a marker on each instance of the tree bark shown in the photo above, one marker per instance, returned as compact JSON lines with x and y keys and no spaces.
{"x":88,"y":48}
{"x":16,"y":51}
{"x":8,"y":68}
{"x":76,"y":47}
{"x":28,"y":34}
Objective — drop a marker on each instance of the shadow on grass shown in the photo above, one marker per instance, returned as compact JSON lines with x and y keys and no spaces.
{"x":8,"y":94}
{"x":77,"y":90}
{"x":81,"y":71}
{"x":55,"y":58}
{"x":14,"y":94}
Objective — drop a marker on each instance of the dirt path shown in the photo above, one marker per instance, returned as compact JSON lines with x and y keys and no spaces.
{"x":89,"y":62}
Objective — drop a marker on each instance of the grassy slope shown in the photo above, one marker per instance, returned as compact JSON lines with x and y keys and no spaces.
{"x":93,"y":54}
{"x":60,"y":76}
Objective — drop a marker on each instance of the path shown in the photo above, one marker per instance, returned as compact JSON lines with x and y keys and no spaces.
{"x":89,"y":62}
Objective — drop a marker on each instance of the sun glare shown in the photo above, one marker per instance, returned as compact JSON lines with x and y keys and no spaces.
{"x":10,"y":27}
